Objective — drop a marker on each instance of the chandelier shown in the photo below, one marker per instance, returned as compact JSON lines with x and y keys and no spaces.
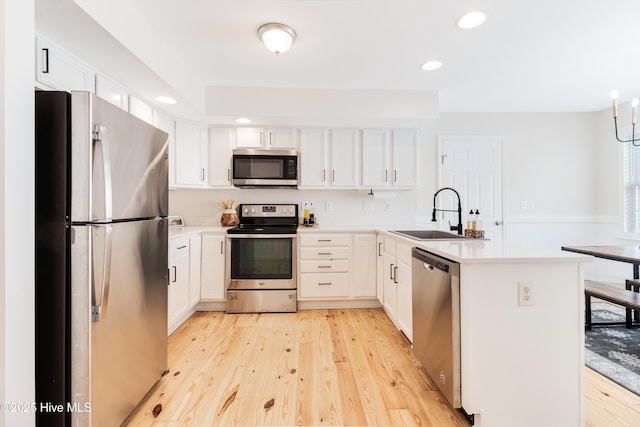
{"x":634,"y":112}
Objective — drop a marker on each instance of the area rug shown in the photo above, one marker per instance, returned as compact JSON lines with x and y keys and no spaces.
{"x":614,"y":351}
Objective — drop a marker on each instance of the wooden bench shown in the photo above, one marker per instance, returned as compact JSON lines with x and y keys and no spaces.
{"x":629,"y":299}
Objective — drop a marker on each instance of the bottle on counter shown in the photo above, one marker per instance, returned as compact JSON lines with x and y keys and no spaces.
{"x":305,"y":213}
{"x":478,"y":220}
{"x":474,"y":221}
{"x":312,"y":215}
{"x":468,"y":227}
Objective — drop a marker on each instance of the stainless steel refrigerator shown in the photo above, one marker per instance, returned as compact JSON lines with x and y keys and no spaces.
{"x":101,"y":259}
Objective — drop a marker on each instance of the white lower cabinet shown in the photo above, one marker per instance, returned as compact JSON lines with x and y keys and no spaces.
{"x":364,"y":265}
{"x":195,"y":250}
{"x":397,"y":284}
{"x":325,"y":265}
{"x":213,"y":264}
{"x":337,"y":266}
{"x":178,"y":294}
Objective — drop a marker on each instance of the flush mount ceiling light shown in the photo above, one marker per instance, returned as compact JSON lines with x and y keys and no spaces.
{"x":431,"y":65}
{"x":277,"y":38}
{"x":471,"y":20}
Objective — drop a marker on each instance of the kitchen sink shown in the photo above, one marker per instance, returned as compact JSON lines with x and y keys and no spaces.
{"x":428,"y":234}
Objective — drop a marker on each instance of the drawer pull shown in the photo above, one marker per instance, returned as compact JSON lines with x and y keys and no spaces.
{"x":324,"y":253}
{"x":324,"y":266}
{"x":324,"y":284}
{"x":182,"y":247}
{"x":324,"y":240}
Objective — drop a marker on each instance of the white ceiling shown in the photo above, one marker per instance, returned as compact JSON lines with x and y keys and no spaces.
{"x":529,"y":56}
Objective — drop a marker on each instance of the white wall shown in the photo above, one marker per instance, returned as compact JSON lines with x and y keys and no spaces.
{"x":16,"y":209}
{"x":551,"y":159}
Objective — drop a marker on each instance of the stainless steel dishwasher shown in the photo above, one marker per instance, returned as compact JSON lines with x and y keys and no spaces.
{"x":436,"y":320}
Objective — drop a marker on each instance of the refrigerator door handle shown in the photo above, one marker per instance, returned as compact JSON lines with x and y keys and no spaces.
{"x":100,"y":291}
{"x":100,"y":138}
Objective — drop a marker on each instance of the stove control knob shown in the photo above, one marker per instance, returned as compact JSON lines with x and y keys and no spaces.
{"x":246,"y":210}
{"x":253,"y":210}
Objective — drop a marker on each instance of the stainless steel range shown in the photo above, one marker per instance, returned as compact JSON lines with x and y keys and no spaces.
{"x":261,"y":260}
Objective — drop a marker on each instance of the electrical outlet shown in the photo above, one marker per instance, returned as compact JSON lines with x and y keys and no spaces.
{"x":526,"y":205}
{"x":328,"y":206}
{"x":525,"y":293}
{"x":367,"y":206}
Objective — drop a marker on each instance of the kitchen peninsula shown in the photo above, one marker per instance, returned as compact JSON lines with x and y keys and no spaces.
{"x":520,"y":364}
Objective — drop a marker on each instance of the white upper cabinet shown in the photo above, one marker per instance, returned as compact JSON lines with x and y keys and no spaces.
{"x":375,"y":158}
{"x":344,"y":145}
{"x":390,"y":158}
{"x":266,"y":138}
{"x":111,"y":91}
{"x":329,"y":158}
{"x":220,"y":152}
{"x":404,"y":154}
{"x":59,"y":70}
{"x":191,"y":154}
{"x":140,"y":109}
{"x":313,"y":158}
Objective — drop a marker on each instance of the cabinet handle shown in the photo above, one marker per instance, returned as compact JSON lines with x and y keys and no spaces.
{"x":175,"y":273}
{"x":324,"y":266}
{"x":229,"y":175}
{"x":45,"y":60}
{"x":324,"y":240}
{"x":391,"y":271}
{"x":202,"y":174}
{"x":182,"y":247}
{"x":324,"y":175}
{"x":221,"y":247}
{"x":324,"y":283}
{"x":270,"y":140}
{"x":334,"y":176}
{"x":395,"y":274}
{"x":324,"y":253}
{"x":386,"y":175}
{"x":379,"y":248}
{"x":395,"y":175}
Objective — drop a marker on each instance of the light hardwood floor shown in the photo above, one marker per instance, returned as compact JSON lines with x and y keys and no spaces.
{"x":316,"y":367}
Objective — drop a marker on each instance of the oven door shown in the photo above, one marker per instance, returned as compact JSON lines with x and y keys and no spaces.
{"x":261,"y":261}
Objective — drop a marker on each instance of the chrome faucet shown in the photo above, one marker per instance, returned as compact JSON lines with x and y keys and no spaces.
{"x":458,"y":227}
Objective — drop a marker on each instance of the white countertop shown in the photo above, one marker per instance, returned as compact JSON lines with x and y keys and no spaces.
{"x":484,"y":251}
{"x":463,"y":251}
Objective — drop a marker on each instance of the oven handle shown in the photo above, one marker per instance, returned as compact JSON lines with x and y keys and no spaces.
{"x":261,"y":236}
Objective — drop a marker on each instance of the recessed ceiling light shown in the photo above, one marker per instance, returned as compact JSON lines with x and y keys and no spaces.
{"x":471,"y":20}
{"x":431,"y":65}
{"x":243,"y":120}
{"x":166,"y":100}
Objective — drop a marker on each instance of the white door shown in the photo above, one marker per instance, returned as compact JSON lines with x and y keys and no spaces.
{"x":473,"y":167}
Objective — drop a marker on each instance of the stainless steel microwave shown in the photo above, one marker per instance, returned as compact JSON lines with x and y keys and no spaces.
{"x":265,"y":168}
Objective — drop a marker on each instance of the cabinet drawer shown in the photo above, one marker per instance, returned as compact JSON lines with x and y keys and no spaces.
{"x":178,"y":246}
{"x":325,"y":239}
{"x":327,"y":285}
{"x":329,"y":266}
{"x":340,"y":252}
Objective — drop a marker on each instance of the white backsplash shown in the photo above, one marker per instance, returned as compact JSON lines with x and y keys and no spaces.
{"x":331,"y":207}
